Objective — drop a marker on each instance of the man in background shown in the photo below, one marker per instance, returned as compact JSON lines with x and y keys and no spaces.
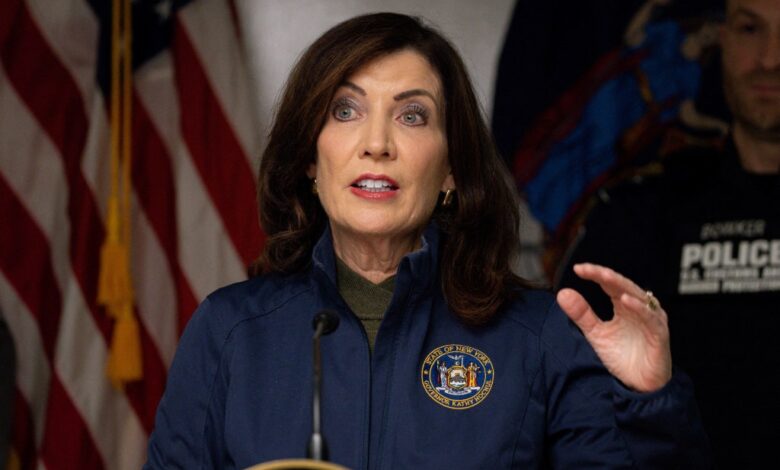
{"x":703,"y":235}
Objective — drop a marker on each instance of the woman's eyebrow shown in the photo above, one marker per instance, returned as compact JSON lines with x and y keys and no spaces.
{"x":354,"y":88}
{"x":415,"y":92}
{"x":400,"y":96}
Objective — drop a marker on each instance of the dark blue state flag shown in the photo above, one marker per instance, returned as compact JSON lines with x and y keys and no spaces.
{"x":587,"y":92}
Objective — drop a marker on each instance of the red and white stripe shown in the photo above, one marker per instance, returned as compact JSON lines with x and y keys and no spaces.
{"x":194,"y":219}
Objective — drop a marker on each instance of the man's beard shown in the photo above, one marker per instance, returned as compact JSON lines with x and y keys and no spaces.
{"x":759,"y":119}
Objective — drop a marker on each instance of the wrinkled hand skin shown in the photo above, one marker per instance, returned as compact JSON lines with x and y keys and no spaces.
{"x":634,"y":344}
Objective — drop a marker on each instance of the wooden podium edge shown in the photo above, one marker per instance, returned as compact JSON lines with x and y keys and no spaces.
{"x":296,"y":464}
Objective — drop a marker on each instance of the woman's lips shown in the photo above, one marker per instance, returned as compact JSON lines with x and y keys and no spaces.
{"x":371,"y":186}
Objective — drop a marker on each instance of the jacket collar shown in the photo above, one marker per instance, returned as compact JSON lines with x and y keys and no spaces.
{"x":417,"y":270}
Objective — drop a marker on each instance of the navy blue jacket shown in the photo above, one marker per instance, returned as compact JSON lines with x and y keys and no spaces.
{"x":526,"y":391}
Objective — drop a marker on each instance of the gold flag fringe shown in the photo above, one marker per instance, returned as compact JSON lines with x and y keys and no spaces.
{"x":115,"y":285}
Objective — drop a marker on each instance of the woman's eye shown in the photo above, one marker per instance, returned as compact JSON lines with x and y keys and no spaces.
{"x":414,"y":116}
{"x":344,"y":109}
{"x":343,"y":113}
{"x":410,"y":118}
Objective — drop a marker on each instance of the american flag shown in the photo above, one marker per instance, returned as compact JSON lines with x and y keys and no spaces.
{"x":194,"y":222}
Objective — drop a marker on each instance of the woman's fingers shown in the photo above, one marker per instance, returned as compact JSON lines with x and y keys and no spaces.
{"x":634,"y":345}
{"x":655,"y":330}
{"x":613,"y":283}
{"x":578,"y":309}
{"x":650,"y":314}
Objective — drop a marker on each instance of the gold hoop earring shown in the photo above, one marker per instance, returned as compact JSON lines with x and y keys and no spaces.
{"x":448,"y":196}
{"x":314,"y":189}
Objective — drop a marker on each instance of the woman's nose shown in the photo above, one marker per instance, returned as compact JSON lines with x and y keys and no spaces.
{"x":378,"y":139}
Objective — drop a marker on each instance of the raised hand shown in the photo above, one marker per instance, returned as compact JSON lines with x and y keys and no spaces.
{"x":634,"y":345}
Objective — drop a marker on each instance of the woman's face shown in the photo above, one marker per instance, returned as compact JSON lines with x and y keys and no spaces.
{"x":382,"y":154}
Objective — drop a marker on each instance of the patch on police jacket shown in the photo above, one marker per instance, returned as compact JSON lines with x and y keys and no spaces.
{"x":457,"y":376}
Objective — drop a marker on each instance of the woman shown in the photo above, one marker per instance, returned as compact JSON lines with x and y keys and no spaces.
{"x":382,"y":196}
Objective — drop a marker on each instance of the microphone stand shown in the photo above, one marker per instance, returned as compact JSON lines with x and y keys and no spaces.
{"x":325,"y":322}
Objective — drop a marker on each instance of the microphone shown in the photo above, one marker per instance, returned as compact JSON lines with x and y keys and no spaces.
{"x":325,"y":322}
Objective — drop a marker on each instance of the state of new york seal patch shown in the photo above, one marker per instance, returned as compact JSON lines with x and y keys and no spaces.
{"x":457,"y":376}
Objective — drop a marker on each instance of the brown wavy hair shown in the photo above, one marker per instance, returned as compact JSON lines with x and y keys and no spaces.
{"x":480,"y":228}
